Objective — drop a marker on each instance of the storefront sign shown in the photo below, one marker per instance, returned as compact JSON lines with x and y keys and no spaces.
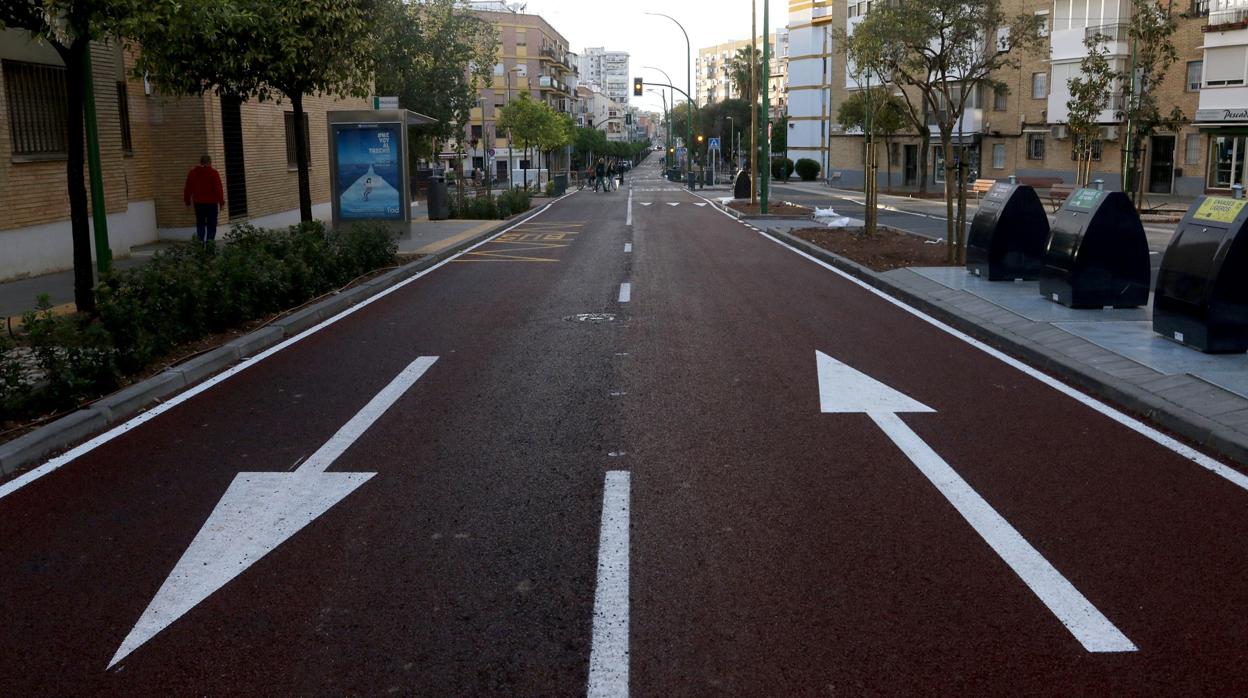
{"x":1218,"y":209}
{"x":1208,"y":115}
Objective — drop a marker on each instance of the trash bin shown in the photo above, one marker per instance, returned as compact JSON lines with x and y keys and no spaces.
{"x":561,"y":184}
{"x":741,"y":190}
{"x":439,"y":206}
{"x":691,"y":180}
{"x":673,"y":175}
{"x":1007,"y":236}
{"x":1202,"y":288}
{"x":1097,"y":254}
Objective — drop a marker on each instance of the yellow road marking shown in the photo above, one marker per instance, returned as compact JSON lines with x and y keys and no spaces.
{"x":436,"y":247}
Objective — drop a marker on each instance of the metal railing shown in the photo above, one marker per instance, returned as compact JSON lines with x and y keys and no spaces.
{"x":1111,"y":32}
{"x":1227,"y":11}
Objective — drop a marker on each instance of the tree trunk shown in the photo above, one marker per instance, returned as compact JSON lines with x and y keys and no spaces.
{"x":946,"y":148}
{"x":79,"y":215}
{"x":301,"y":158}
{"x":888,"y":166}
{"x":925,"y":145}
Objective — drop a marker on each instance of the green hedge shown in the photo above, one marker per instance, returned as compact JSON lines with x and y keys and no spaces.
{"x":808,"y":169}
{"x":781,"y":168}
{"x":487,"y":208}
{"x":182,"y":295}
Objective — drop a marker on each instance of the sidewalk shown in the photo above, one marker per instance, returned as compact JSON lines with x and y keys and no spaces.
{"x":427,"y":238}
{"x":1113,"y":354}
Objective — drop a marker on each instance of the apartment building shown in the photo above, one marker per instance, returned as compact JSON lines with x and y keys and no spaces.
{"x":148,"y":142}
{"x":1022,"y":130}
{"x":533,"y":58}
{"x":713,"y":71}
{"x":608,"y":70}
{"x":596,"y":109}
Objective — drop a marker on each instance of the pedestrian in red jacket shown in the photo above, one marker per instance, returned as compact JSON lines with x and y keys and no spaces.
{"x":203,"y":190}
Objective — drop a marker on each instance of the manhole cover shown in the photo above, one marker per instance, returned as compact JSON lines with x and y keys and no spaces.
{"x":591,"y":317}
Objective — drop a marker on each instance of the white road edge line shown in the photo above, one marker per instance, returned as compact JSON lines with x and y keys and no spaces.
{"x":608,"y":655}
{"x":628,"y":247}
{"x":626,"y":292}
{"x":1216,"y":467}
{"x":629,"y":218}
{"x":1089,"y":626}
{"x":159,"y":409}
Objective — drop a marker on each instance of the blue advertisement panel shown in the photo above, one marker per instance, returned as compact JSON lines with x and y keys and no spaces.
{"x":369,"y":172}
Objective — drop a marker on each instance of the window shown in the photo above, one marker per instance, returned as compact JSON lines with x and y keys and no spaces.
{"x":1003,"y":39}
{"x":35,"y":94}
{"x":1035,"y":146}
{"x":998,"y":156}
{"x":1224,"y":65}
{"x":498,"y":69}
{"x":123,"y":113}
{"x":1039,"y":85}
{"x":292,"y":161}
{"x":1226,"y":160}
{"x":1095,"y":150}
{"x":1194,"y":70}
{"x":476,"y":132}
{"x":1000,"y":100}
{"x":1044,"y":23}
{"x":1192,"y":149}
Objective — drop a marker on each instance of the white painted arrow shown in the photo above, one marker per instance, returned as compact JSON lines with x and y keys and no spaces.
{"x":259,"y":512}
{"x":673,"y":204}
{"x":844,"y":390}
{"x":646,"y":204}
{"x":700,"y":205}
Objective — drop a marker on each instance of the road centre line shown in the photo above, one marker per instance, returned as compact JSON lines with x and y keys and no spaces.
{"x":73,"y":454}
{"x":608,"y":655}
{"x":628,"y":247}
{"x":629,"y":218}
{"x":1216,"y":467}
{"x":626,"y":292}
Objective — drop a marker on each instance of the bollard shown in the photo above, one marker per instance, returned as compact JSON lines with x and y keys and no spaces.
{"x":1237,"y":191}
{"x":1099,"y":184}
{"x":1013,"y":179}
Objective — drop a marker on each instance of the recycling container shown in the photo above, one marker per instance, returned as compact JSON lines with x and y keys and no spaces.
{"x":1202,"y":289}
{"x":439,"y":205}
{"x":1008,"y":234}
{"x":1096,"y":255}
{"x":561,"y":184}
{"x":741,"y":190}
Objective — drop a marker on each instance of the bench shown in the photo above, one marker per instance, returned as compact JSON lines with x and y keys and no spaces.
{"x":982,"y":186}
{"x":834,"y":177}
{"x":1058,"y":193}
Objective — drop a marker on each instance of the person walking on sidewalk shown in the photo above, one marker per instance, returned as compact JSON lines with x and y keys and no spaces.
{"x":203,"y":191}
{"x":600,"y":172}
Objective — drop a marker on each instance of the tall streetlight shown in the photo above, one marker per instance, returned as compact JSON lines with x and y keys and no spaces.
{"x":766,"y":78}
{"x":732,"y":141}
{"x":689,"y":91}
{"x":510,"y":147}
{"x":669,"y":116}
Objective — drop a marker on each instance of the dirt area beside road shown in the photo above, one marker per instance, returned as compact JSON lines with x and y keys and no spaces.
{"x":885,"y":250}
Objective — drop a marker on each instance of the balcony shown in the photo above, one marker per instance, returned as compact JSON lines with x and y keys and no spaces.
{"x":1111,"y":32}
{"x":1226,"y":15}
{"x":547,"y":82}
{"x":558,"y":57}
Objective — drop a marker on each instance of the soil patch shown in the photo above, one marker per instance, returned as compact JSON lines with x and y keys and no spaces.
{"x":885,"y":250}
{"x":782,"y":208}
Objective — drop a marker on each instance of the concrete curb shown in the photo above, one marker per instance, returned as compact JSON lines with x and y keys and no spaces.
{"x":32,"y":447}
{"x":1175,"y":418}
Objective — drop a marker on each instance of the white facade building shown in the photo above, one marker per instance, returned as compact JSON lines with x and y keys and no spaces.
{"x":609,"y":70}
{"x":810,"y":77}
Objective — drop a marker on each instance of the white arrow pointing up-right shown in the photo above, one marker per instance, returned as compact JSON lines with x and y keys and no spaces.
{"x":844,"y":390}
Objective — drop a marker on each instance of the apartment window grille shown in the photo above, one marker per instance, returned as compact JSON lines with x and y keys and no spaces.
{"x":123,"y":113}
{"x":1200,"y":8}
{"x":1194,"y":71}
{"x":35,"y":93}
{"x":998,"y":156}
{"x":292,"y":161}
{"x":1035,"y":146}
{"x":1096,"y":150}
{"x":1191,"y":149}
{"x":1000,"y":100}
{"x":1039,"y":85}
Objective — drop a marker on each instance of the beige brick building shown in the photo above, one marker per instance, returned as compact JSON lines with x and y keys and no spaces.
{"x":148,"y":142}
{"x":1020,"y":131}
{"x":713,"y":76}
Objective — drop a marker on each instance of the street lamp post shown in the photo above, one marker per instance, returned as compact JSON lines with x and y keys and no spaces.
{"x":732,"y":141}
{"x":766,"y":83}
{"x":689,"y":91}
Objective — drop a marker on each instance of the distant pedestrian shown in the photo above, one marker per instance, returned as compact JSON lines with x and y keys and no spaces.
{"x":203,"y":191}
{"x":600,"y":175}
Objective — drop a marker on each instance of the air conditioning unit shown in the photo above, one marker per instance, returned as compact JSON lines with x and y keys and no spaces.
{"x":1109,"y":133}
{"x":1060,"y":132}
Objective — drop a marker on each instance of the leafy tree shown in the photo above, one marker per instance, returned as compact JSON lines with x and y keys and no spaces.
{"x":438,"y":43}
{"x":264,"y":49}
{"x":739,"y":72}
{"x":1151,"y":31}
{"x":588,"y":144}
{"x":780,"y":137}
{"x":69,"y":27}
{"x":557,"y":131}
{"x":1090,"y":94}
{"x":884,"y":111}
{"x":945,"y":50}
{"x":525,"y":120}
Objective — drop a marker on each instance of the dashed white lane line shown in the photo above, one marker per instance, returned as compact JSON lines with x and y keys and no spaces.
{"x":608,"y":655}
{"x":628,"y":220}
{"x":628,"y":247}
{"x":626,"y":292}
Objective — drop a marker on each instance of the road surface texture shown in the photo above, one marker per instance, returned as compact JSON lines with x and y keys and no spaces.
{"x":628,"y":447}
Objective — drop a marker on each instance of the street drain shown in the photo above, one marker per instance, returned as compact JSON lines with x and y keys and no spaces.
{"x":591,"y":317}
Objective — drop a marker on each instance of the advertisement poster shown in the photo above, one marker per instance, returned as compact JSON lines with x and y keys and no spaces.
{"x":369,"y":172}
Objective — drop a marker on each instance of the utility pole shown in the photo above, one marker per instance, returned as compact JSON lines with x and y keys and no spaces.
{"x":753,"y":102}
{"x":766,"y":84}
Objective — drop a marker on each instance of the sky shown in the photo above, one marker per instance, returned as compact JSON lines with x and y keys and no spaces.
{"x":622,"y":25}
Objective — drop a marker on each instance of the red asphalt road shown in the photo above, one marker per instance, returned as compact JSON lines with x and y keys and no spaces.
{"x":775,"y":550}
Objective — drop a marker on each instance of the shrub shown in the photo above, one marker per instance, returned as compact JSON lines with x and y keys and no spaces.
{"x":550,"y":188}
{"x":808,"y":169}
{"x":514,"y":201}
{"x":781,"y":168}
{"x":15,"y":389}
{"x":74,"y":353}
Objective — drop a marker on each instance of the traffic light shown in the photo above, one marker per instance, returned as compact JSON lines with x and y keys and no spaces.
{"x":699,"y":139}
{"x":639,"y":87}
{"x":628,"y":119}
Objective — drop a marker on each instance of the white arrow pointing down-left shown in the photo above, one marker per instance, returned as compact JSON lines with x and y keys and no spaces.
{"x":258,"y":512}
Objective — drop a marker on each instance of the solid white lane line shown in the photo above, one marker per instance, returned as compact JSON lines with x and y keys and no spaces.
{"x":608,"y":655}
{"x":628,"y":247}
{"x":626,"y":292}
{"x":352,"y":430}
{"x":159,"y":409}
{"x":1093,"y":630}
{"x":1212,"y":465}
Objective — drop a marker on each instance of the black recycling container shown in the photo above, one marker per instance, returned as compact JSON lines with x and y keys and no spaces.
{"x":1008,"y":233}
{"x":741,"y":190}
{"x":1097,"y":253}
{"x":1202,"y":289}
